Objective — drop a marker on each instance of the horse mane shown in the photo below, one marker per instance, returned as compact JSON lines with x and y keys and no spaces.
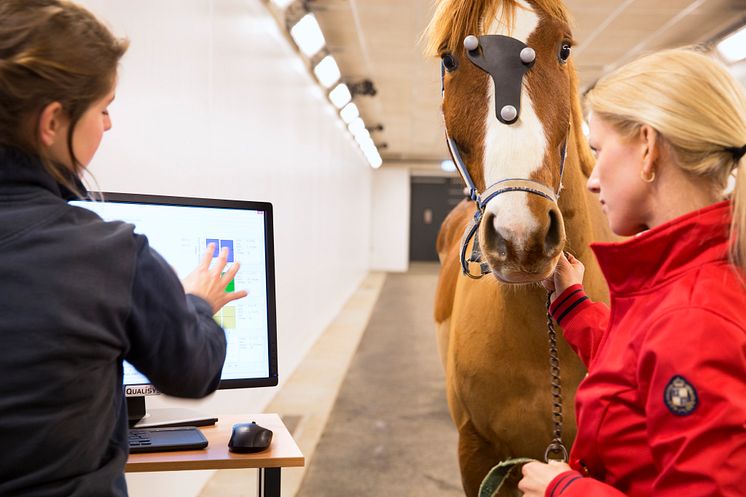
{"x":585,"y":156}
{"x":455,"y":19}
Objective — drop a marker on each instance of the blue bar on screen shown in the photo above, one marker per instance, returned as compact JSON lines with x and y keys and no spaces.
{"x":229,"y":244}
{"x":217,"y":245}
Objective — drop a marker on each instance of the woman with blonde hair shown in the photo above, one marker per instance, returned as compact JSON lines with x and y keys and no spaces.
{"x":662,"y":411}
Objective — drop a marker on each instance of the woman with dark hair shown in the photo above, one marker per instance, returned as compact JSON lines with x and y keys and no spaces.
{"x":79,"y":295}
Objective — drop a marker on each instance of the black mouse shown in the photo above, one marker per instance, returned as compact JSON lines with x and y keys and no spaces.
{"x":249,"y":437}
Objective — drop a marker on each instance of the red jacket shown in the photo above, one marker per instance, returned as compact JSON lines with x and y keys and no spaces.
{"x":662,"y":411}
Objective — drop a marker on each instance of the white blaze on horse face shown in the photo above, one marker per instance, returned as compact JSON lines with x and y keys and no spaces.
{"x":513,"y":151}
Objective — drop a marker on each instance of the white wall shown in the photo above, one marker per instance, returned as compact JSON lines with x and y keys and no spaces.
{"x":213,"y":102}
{"x":390,"y":219}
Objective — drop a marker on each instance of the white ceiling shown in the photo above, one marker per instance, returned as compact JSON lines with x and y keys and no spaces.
{"x":380,"y":40}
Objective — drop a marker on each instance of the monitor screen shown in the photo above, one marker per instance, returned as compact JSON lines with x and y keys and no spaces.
{"x":180,"y":229}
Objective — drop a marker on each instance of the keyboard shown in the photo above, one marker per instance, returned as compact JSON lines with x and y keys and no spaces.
{"x":166,"y":439}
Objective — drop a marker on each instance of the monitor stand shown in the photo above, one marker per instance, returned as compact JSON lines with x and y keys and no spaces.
{"x":139,"y":417}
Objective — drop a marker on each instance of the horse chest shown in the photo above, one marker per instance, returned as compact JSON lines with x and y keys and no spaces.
{"x":496,"y":348}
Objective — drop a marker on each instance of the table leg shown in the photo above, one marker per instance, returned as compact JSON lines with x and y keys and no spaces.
{"x":269,"y":482}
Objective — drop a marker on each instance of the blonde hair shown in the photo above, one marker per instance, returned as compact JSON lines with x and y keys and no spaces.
{"x":697,"y":107}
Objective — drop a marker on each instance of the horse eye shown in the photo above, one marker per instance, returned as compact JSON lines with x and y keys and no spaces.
{"x":564,"y":52}
{"x":449,"y":61}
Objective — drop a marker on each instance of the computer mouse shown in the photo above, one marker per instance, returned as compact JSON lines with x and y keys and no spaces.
{"x":249,"y":437}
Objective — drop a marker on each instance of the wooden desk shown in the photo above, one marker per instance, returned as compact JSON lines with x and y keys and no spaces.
{"x":283,"y":452}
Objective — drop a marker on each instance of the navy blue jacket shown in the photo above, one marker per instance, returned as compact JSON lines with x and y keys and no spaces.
{"x":77,"y":296}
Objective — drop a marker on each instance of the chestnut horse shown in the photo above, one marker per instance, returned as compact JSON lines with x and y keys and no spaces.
{"x":527,"y":167}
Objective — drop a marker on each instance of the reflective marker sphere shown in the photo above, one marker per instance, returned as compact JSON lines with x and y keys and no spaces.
{"x":528,"y":55}
{"x":508,"y":113}
{"x":471,"y":42}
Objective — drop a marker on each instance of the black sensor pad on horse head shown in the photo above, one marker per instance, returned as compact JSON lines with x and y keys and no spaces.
{"x":507,"y":60}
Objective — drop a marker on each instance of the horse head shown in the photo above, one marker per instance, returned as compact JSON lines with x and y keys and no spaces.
{"x":508,"y":92}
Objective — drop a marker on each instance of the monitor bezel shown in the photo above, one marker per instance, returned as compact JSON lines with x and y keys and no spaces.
{"x":266,"y":207}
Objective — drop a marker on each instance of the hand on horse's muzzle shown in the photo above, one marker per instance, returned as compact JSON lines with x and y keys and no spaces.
{"x":568,"y":272}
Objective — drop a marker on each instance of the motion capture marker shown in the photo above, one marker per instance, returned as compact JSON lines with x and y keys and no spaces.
{"x":471,"y":43}
{"x":508,"y":113}
{"x":680,"y":396}
{"x":528,"y":55}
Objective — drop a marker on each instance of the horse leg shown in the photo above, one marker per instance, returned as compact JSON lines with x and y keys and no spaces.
{"x":476,"y":457}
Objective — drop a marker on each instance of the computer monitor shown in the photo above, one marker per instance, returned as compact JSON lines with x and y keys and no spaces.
{"x":180,"y":229}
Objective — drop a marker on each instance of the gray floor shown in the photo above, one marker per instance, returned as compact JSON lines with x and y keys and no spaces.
{"x":389,"y":432}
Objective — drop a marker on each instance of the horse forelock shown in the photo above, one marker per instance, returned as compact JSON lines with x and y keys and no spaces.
{"x":454,"y":20}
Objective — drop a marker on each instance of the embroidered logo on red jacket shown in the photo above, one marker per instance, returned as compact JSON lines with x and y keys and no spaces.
{"x":680,"y":396}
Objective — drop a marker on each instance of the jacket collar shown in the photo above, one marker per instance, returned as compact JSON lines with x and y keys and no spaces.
{"x":24,"y":173}
{"x":668,"y":250}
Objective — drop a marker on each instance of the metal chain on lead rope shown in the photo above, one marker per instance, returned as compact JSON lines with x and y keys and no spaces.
{"x":555,"y":446}
{"x":493,"y":482}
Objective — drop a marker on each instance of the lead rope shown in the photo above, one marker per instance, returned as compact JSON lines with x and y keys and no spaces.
{"x":556,"y":445}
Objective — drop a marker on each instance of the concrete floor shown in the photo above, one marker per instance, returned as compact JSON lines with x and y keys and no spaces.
{"x":367,"y":405}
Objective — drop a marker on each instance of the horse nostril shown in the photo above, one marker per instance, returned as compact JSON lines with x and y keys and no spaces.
{"x":554,"y":234}
{"x":496,"y":243}
{"x":500,"y":245}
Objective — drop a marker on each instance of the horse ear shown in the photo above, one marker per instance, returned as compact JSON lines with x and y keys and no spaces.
{"x":585,"y":156}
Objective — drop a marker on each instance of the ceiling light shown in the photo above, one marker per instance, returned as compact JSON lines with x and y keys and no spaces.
{"x":368,"y":145}
{"x":365,"y":142}
{"x":356,"y":125}
{"x":327,"y":71}
{"x":448,"y":166}
{"x":733,"y":46}
{"x":340,"y":95}
{"x":349,"y":112}
{"x":374,"y":160}
{"x":362,"y":136}
{"x":371,"y":153}
{"x":282,"y":4}
{"x":307,"y":35}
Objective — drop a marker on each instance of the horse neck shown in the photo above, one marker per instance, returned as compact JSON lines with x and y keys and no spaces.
{"x":585,"y":222}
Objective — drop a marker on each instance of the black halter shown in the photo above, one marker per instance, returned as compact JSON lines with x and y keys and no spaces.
{"x":507,"y":60}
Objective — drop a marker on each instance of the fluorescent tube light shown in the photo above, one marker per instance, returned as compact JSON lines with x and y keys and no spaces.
{"x":327,"y":71}
{"x":374,"y":160}
{"x":356,"y":125}
{"x":733,"y":46}
{"x":448,"y":166}
{"x":307,"y":35}
{"x":362,"y":136}
{"x":369,"y":150}
{"x":340,"y":95}
{"x":371,"y":153}
{"x":349,"y":112}
{"x":365,"y":142}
